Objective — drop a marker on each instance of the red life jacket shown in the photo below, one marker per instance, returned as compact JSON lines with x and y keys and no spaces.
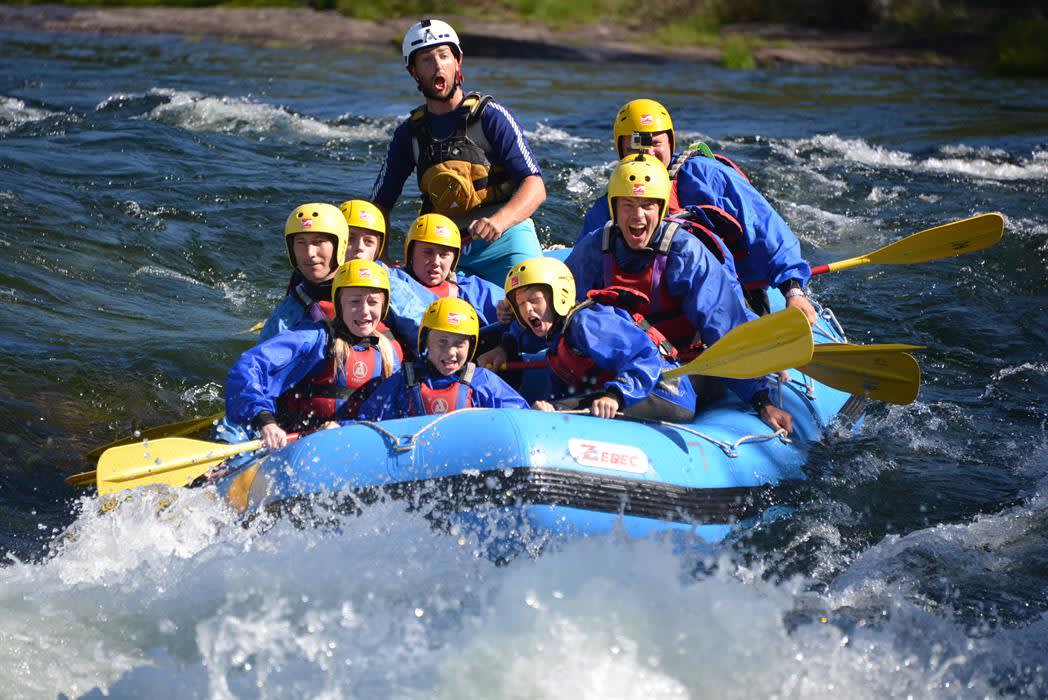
{"x":575,"y":368}
{"x":663,"y":311}
{"x":333,"y":395}
{"x":424,"y":400}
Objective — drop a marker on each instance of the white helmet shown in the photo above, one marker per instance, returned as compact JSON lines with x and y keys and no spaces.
{"x":429,"y":32}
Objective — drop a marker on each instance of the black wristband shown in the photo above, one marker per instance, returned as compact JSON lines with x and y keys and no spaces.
{"x":760,"y":400}
{"x":790,"y":284}
{"x":262,"y":419}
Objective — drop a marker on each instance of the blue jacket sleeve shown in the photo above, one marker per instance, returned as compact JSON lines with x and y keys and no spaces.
{"x":712,"y":300}
{"x":407,"y":303}
{"x":288,"y":315}
{"x":269,"y":369}
{"x":774,"y":251}
{"x":396,"y":168}
{"x":482,"y":295}
{"x":389,"y":400}
{"x":586,"y":264}
{"x":489,"y":391}
{"x":509,"y":143}
{"x":597,"y":216}
{"x":610,"y":338}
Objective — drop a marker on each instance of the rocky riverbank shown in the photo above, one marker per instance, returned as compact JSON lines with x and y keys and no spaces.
{"x":769,"y":44}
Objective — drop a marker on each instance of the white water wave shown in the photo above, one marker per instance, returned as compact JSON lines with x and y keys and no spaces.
{"x":1021,"y":373}
{"x":1027,"y":228}
{"x":168,"y":593}
{"x":826,"y":150}
{"x":885,"y":194}
{"x":920,"y":427}
{"x":587,"y":182}
{"x":544,"y":133}
{"x":195,"y":111}
{"x":14,"y":113}
{"x":167,"y":273}
{"x":820,"y":227}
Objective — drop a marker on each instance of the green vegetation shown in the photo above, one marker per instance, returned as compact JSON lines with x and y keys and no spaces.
{"x":738,"y":53}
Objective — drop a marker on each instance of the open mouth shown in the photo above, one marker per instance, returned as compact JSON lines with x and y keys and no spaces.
{"x":536,"y":324}
{"x":439,"y":83}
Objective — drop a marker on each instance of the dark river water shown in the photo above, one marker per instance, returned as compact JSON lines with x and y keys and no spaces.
{"x":143,"y":187}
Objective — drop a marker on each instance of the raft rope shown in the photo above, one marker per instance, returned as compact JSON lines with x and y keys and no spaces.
{"x":406,"y":443}
{"x":731,"y":449}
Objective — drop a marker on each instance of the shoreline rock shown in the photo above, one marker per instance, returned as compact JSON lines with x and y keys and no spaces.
{"x":480,"y":37}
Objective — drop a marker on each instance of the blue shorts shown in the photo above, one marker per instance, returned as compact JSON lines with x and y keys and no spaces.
{"x":493,"y":260}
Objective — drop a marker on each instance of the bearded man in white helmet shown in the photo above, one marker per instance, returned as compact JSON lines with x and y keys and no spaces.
{"x":471,"y":159}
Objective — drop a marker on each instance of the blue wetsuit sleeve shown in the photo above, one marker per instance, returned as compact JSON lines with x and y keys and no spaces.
{"x":490,"y":391}
{"x":482,"y":295}
{"x":396,"y":168}
{"x":267,"y":370}
{"x":597,"y":216}
{"x":586,"y":264}
{"x":712,"y":300}
{"x":389,"y":400}
{"x":407,"y":303}
{"x":611,"y":339}
{"x":289,"y":314}
{"x":774,"y":251}
{"x":508,"y":142}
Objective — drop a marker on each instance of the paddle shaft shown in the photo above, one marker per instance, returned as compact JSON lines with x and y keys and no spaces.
{"x":946,"y":241}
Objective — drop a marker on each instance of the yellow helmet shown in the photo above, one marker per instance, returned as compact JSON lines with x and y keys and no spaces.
{"x":433,"y":228}
{"x":363,"y":214}
{"x":642,"y":117}
{"x":453,"y":315}
{"x":360,"y":273}
{"x":639,"y":175}
{"x":545,"y":271}
{"x":317,"y":217}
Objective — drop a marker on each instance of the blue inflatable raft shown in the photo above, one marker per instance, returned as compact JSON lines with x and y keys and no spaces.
{"x":497,"y":472}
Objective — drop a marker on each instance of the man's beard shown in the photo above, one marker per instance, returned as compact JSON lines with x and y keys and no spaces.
{"x":432,"y":94}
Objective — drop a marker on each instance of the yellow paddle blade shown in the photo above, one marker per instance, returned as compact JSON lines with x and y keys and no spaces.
{"x":257,"y":328}
{"x":948,"y":240}
{"x":768,"y":344}
{"x":83,"y":479}
{"x":186,"y":427}
{"x":172,"y":461}
{"x":879,"y":372}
